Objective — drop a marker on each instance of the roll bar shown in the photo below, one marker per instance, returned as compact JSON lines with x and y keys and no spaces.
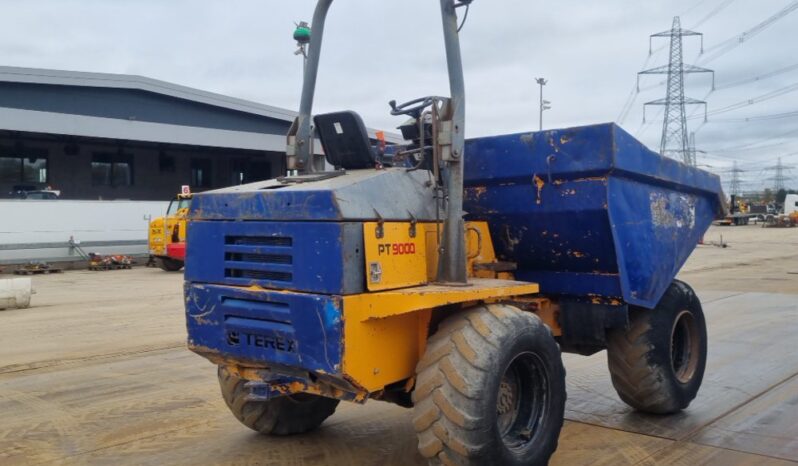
{"x":301,"y":157}
{"x":452,"y":257}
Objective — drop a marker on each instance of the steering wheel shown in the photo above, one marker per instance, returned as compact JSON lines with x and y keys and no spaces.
{"x":412,"y":108}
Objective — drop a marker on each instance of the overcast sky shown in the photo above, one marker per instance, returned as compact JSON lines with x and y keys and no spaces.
{"x":377,"y":51}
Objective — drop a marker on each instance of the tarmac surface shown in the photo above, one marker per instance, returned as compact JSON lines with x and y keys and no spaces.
{"x":96,"y":372}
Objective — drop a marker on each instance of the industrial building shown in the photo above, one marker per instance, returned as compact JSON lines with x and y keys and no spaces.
{"x":97,"y":136}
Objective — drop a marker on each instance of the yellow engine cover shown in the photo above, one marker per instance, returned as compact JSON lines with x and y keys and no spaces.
{"x":396,"y":255}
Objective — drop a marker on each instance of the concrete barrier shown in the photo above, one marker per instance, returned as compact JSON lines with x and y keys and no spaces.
{"x":15,"y":293}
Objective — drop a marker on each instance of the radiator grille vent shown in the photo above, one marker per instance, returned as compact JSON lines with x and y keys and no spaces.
{"x":263,"y":258}
{"x":285,"y":241}
{"x":259,"y":275}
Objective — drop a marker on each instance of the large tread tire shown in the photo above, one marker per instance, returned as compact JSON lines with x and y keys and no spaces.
{"x":286,"y":415}
{"x":458,"y":382}
{"x":168,"y":264}
{"x":645,"y":372}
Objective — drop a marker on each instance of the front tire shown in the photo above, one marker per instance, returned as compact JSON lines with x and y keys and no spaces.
{"x":490,"y":389}
{"x":657,"y":363}
{"x":168,"y":264}
{"x":286,"y":415}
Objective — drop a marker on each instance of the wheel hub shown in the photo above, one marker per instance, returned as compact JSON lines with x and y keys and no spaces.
{"x":685,"y":349}
{"x":521,"y":400}
{"x":506,"y":402}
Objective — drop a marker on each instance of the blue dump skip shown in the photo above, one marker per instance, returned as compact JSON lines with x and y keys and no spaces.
{"x":589,"y":211}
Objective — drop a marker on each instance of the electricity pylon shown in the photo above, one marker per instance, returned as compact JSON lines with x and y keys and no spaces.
{"x":674,"y":127}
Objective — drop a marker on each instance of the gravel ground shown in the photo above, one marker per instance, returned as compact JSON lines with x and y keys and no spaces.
{"x":96,"y":372}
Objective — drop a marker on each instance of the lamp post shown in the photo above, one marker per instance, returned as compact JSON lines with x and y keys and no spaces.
{"x":544,"y":104}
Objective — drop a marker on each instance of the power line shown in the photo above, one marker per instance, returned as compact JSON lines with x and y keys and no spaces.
{"x":766,"y":117}
{"x":692,"y":8}
{"x":754,"y":79}
{"x":727,"y":150}
{"x":646,"y":123}
{"x":731,"y":84}
{"x":714,"y":12}
{"x":632,"y":97}
{"x":720,"y":156}
{"x":627,"y":105}
{"x":731,"y":43}
{"x":692,"y":114}
{"x":698,"y":128}
{"x":757,"y":143}
{"x":754,"y":100}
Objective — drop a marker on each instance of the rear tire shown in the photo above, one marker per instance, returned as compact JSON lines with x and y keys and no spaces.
{"x":286,"y":415}
{"x":168,"y":264}
{"x":657,"y":363}
{"x":490,"y":389}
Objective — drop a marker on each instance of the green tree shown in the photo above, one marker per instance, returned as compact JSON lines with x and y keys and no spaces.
{"x":767,"y":195}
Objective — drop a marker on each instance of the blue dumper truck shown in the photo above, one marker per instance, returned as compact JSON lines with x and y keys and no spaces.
{"x":447,"y":275}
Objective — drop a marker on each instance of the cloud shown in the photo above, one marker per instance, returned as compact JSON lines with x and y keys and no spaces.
{"x":378,"y":51}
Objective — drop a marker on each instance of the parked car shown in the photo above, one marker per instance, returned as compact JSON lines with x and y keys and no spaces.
{"x":39,"y":194}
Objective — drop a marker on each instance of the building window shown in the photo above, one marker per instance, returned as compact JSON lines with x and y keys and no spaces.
{"x":201,"y":173}
{"x":166,"y":163}
{"x":10,"y":170}
{"x":34,"y":170}
{"x":122,"y":174}
{"x":259,"y":171}
{"x":112,"y":169}
{"x":101,"y":169}
{"x":245,"y":171}
{"x":23,"y":168}
{"x":238,"y":171}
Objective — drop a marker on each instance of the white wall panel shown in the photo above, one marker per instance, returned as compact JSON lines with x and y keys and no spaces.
{"x":27,"y":225}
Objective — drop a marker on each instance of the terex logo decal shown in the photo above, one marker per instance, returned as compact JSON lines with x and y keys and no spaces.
{"x":396,"y":249}
{"x":276,"y":343}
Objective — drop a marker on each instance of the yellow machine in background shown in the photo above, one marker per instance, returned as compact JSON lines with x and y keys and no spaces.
{"x":167,"y":234}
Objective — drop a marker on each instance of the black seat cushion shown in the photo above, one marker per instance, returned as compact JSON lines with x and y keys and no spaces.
{"x":345,"y":140}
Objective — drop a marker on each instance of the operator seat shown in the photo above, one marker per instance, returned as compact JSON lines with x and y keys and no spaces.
{"x":345,"y":140}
